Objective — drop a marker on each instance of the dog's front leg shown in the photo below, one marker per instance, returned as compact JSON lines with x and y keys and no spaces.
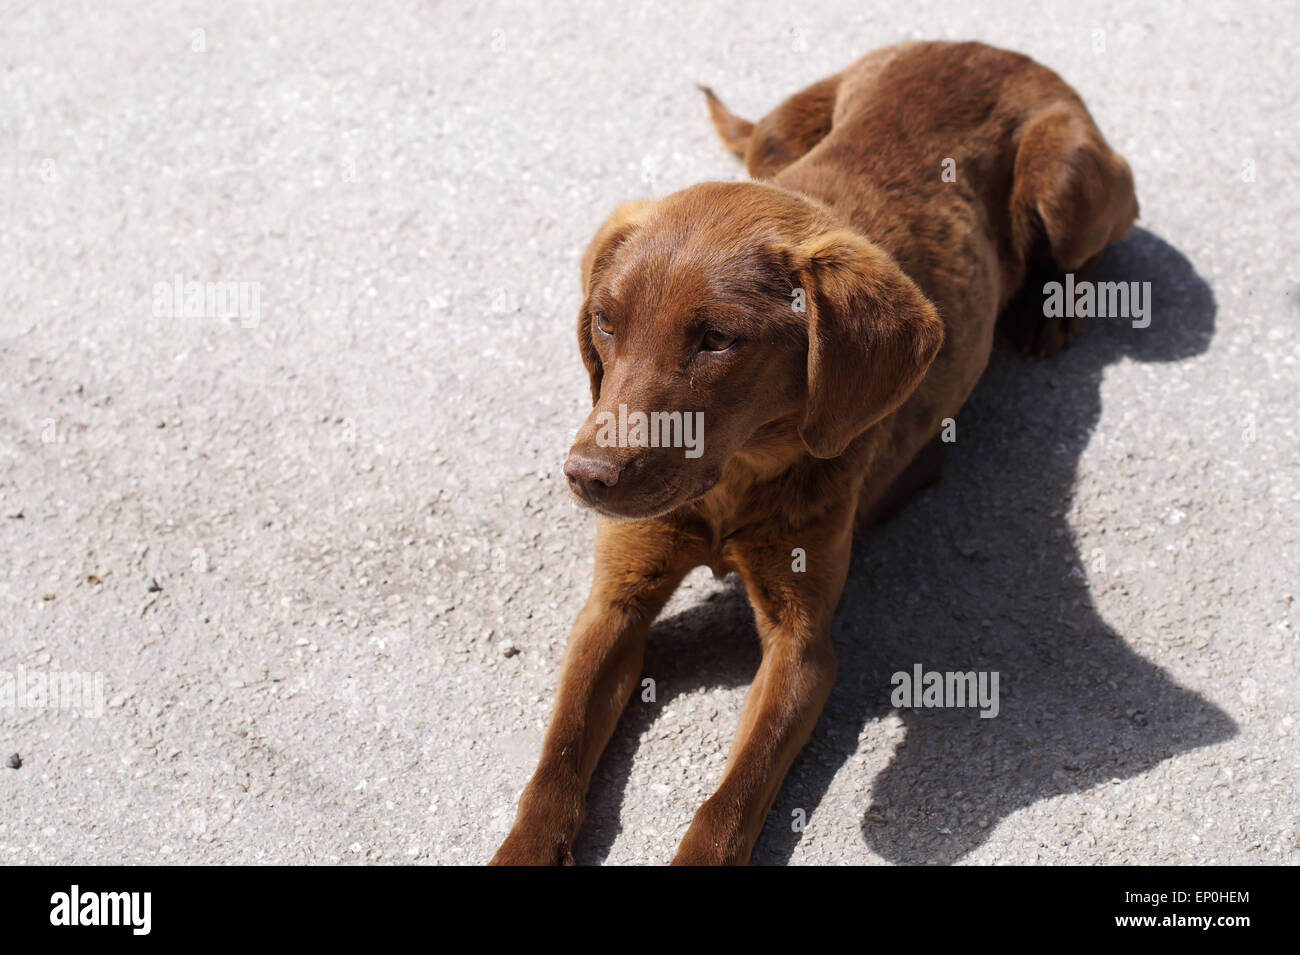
{"x":638,"y":566}
{"x":793,"y":602}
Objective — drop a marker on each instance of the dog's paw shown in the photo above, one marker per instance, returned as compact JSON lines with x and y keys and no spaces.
{"x":1035,"y":334}
{"x":533,"y":848}
{"x":1053,"y":334}
{"x":714,"y":838}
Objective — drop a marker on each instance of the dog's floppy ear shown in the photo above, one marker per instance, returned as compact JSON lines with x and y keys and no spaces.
{"x":613,"y":233}
{"x":871,"y":336}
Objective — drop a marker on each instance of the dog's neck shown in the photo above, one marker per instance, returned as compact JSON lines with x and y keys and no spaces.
{"x":742,"y":497}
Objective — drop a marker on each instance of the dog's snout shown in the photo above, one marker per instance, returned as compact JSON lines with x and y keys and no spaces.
{"x":591,"y":478}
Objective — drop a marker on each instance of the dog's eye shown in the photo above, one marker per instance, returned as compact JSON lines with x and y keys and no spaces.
{"x":603,"y":323}
{"x":715,"y":340}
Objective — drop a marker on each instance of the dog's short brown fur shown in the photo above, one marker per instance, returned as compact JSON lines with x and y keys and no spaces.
{"x":816,"y":421}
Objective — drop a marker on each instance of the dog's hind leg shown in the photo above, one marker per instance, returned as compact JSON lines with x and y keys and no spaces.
{"x":1071,"y":196}
{"x":1024,"y":319}
{"x":783,"y":135}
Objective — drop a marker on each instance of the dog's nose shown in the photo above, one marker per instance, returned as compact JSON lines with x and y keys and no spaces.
{"x":591,"y":478}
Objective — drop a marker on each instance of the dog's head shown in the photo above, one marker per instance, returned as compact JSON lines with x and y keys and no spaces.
{"x":723,"y":308}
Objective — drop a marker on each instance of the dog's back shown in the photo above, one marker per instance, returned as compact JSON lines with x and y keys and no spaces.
{"x":979,"y":170}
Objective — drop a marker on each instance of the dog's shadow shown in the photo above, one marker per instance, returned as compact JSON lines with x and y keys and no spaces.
{"x":981,"y":572}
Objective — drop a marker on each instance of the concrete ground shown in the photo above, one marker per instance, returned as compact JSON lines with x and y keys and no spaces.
{"x":301,"y":535}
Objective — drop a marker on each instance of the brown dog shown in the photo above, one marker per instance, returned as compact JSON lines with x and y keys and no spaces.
{"x":824,"y":320}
